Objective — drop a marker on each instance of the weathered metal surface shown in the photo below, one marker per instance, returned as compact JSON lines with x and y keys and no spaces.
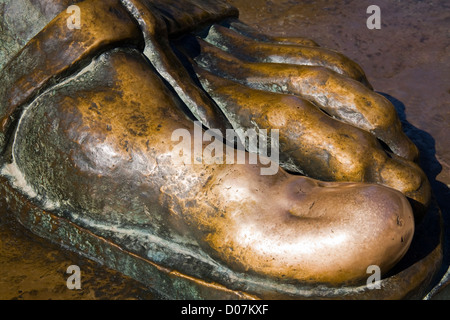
{"x":101,"y":120}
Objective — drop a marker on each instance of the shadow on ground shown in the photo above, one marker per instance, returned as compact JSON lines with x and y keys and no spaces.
{"x":432,"y":168}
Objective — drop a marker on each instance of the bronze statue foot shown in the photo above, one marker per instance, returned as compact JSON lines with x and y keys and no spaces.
{"x":88,"y":149}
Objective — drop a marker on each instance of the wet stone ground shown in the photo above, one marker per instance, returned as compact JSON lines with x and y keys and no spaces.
{"x":407,"y":59}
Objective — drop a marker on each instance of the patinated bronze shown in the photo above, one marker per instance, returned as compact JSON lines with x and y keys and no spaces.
{"x":88,"y":159}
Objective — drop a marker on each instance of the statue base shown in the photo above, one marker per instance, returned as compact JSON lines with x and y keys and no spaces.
{"x":411,"y":278}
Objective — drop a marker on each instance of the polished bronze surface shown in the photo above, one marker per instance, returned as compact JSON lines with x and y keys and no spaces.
{"x":315,"y":144}
{"x":45,"y":57}
{"x":340,"y":96}
{"x":283,"y":51}
{"x":102,"y":114}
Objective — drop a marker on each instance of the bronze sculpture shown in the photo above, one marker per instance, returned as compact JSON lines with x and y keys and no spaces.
{"x":100,"y":115}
